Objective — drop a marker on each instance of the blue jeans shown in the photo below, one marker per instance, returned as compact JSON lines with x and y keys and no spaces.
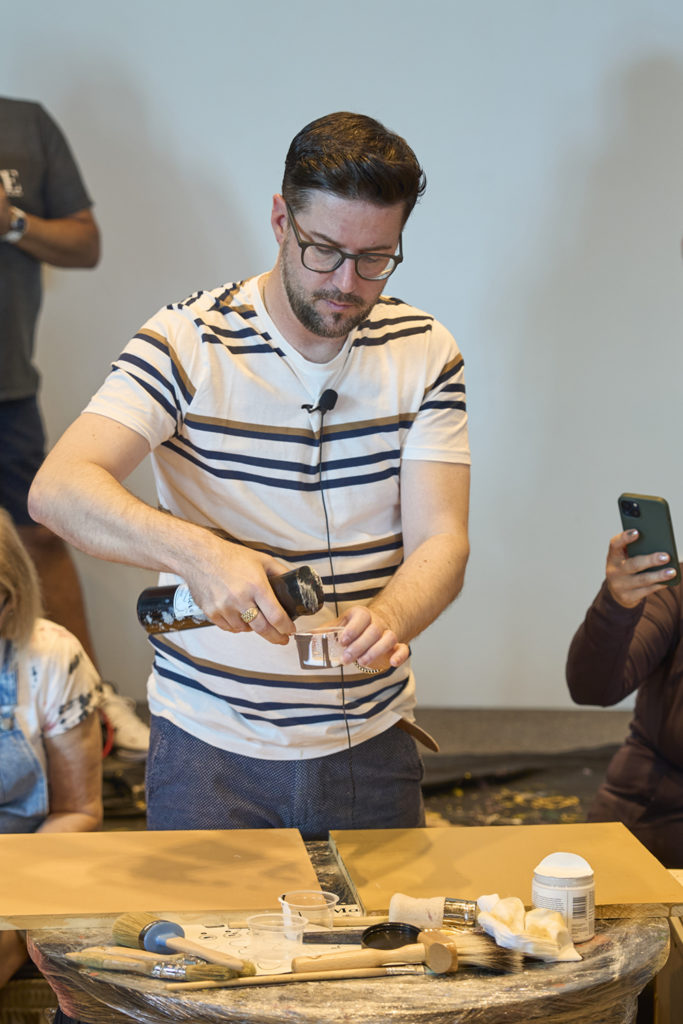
{"x":21,"y":453}
{"x":192,"y":785}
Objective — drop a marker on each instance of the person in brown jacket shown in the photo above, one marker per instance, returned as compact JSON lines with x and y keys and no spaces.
{"x":632,"y":641}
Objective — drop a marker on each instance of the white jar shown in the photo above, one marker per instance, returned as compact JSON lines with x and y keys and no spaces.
{"x":564,"y":882}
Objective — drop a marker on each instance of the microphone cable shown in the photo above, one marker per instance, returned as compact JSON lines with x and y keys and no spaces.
{"x":326,"y":403}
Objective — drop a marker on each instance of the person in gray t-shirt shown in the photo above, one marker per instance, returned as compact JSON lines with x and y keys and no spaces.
{"x":45,"y":217}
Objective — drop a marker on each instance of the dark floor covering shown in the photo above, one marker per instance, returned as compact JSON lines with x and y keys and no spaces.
{"x":513,"y":789}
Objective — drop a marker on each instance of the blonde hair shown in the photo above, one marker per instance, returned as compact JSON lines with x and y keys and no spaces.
{"x":18,"y":577}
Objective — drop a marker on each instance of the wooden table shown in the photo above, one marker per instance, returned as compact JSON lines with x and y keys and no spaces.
{"x":602,"y":989}
{"x":617,"y":964}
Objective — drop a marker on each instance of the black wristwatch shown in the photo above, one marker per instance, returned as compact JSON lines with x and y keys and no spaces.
{"x":17,"y":226}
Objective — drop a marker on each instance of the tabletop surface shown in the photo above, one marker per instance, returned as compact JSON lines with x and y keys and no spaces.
{"x":617,"y":963}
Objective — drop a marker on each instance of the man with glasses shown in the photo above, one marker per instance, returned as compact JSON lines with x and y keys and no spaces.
{"x":298,"y":417}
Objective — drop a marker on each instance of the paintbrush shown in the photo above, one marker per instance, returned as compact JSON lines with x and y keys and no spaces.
{"x":442,"y":949}
{"x":281,"y":979}
{"x":139,"y":954}
{"x":434,"y":912}
{"x":144,"y":931}
{"x":153,"y":969}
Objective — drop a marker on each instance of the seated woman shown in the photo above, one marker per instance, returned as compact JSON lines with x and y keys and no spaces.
{"x":632,"y":640}
{"x":50,"y":736}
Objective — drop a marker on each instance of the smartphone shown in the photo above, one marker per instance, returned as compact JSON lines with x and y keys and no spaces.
{"x":650,"y":516}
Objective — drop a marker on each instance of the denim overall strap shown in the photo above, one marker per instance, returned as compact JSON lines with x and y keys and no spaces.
{"x":8,"y":689}
{"x":23,"y":785}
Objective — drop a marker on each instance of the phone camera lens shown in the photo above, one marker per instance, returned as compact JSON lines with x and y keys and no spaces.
{"x":631,"y":508}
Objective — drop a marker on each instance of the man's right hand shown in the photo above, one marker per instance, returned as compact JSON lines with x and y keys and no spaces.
{"x":234,"y":579}
{"x":625,"y":584}
{"x":78,"y":493}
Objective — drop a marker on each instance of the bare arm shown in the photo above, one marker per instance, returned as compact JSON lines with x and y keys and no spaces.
{"x":78,"y":493}
{"x":61,"y":241}
{"x":12,"y":954}
{"x":434,"y":512}
{"x":74,"y":776}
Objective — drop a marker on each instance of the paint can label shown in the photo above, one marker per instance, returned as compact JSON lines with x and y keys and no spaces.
{"x":564,"y":882}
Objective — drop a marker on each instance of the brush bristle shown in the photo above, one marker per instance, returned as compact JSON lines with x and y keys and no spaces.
{"x":476,"y":949}
{"x":126,"y":929}
{"x":482,"y":952}
{"x":216,"y":972}
{"x":209,"y":972}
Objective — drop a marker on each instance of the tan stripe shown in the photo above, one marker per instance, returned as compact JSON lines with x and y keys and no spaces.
{"x":147,"y":333}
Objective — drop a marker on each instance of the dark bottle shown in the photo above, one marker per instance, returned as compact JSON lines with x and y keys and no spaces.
{"x":163,"y":609}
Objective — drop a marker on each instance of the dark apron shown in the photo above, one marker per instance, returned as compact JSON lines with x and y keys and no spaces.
{"x":23,"y":785}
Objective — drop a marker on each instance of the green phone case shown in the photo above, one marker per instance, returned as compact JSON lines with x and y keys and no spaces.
{"x":653,"y":524}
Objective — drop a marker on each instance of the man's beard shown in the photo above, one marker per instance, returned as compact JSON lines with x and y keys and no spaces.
{"x":335,"y":325}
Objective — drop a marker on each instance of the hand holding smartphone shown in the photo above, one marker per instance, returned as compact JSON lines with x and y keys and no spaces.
{"x":650,"y":516}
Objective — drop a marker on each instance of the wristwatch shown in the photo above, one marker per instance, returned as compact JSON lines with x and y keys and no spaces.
{"x":17,"y":226}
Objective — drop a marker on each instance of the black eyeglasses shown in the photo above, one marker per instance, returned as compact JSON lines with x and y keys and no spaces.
{"x":323,"y":259}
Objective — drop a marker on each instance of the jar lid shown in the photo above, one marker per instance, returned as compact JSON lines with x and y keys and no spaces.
{"x":564,"y":865}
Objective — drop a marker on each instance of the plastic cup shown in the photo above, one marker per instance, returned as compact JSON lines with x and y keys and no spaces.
{"x":320,"y":648}
{"x":275,"y":939}
{"x":311,"y":904}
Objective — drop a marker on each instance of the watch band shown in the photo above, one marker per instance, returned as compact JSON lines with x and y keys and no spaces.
{"x":17,"y":226}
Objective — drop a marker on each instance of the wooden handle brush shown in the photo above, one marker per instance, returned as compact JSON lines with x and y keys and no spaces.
{"x":283,"y":979}
{"x":442,"y":949}
{"x":166,"y":969}
{"x":441,"y":957}
{"x":144,"y":931}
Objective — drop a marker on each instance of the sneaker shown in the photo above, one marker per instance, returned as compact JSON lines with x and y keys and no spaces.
{"x":130,"y":740}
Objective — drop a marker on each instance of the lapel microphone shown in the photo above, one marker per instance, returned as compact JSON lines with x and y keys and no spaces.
{"x":326,"y":402}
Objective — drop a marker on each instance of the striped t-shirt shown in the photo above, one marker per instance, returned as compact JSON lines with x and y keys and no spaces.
{"x":219,"y":393}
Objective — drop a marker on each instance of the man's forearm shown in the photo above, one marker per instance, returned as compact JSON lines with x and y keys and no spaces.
{"x":424,"y":585}
{"x":98,"y":515}
{"x":62,"y":242}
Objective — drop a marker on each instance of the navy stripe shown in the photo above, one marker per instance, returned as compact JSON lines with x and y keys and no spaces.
{"x":293,"y":683}
{"x":262,"y":347}
{"x":408,"y":332}
{"x":226,"y":332}
{"x":372,"y":549}
{"x":358,"y":577}
{"x":450,"y":371}
{"x":258,"y":432}
{"x":142,"y":364}
{"x":331,"y":716}
{"x":330,"y":434}
{"x":436,"y":403}
{"x":290,"y":467}
{"x":375,"y":325}
{"x":286,"y":485}
{"x":405,"y":422}
{"x":359,"y":595}
{"x":372,"y":705}
{"x":156,"y":395}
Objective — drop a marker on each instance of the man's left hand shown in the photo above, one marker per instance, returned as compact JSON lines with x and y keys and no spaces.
{"x":369,"y":640}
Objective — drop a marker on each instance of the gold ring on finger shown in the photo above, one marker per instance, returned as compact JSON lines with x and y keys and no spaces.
{"x":249,"y":614}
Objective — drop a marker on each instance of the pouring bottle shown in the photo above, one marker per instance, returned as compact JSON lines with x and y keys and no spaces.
{"x":164,"y":609}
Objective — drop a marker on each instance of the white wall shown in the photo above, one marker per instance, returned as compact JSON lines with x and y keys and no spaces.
{"x":548,"y":241}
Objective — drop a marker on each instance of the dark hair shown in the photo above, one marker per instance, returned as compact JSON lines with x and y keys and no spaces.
{"x":355,"y":157}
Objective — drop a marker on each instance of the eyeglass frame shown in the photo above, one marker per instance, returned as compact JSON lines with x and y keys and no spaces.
{"x":355,"y":256}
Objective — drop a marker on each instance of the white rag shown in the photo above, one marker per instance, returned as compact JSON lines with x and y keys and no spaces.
{"x":538,"y":933}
